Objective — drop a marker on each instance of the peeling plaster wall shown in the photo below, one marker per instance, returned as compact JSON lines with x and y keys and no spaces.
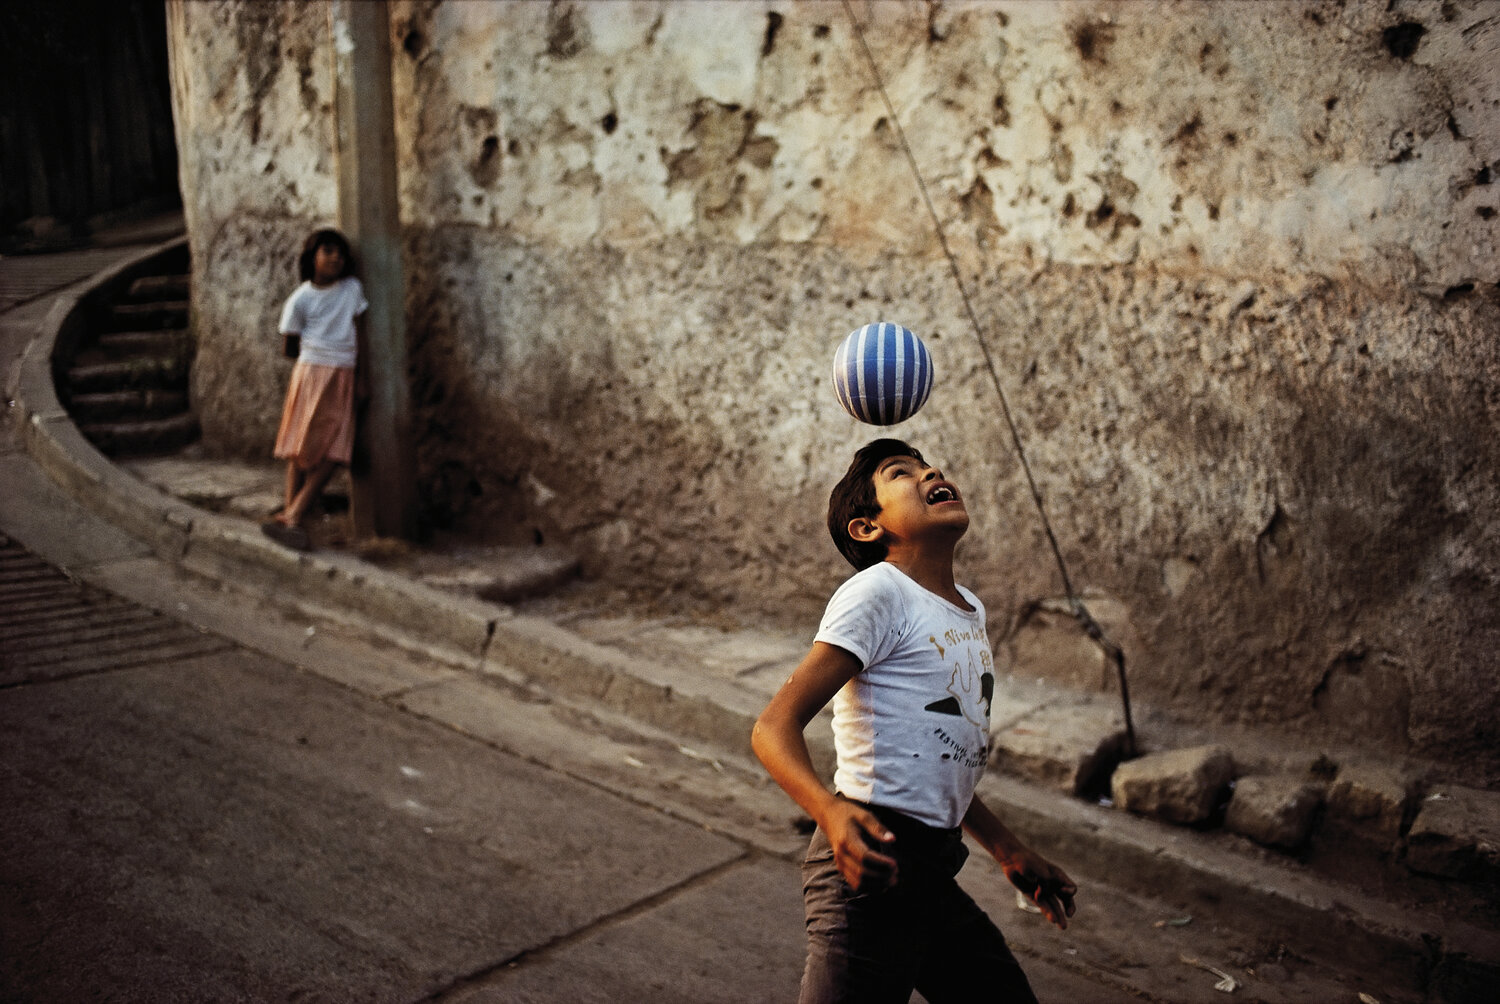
{"x":252,"y":96}
{"x":1235,"y":263}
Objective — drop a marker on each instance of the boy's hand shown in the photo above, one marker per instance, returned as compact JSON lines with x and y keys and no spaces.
{"x":1045,"y":884}
{"x":859,"y":843}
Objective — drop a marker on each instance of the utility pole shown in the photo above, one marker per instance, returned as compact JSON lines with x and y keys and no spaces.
{"x":384,"y":487}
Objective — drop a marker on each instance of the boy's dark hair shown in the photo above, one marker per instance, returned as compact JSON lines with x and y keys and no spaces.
{"x":854,"y":498}
{"x":310,"y":251}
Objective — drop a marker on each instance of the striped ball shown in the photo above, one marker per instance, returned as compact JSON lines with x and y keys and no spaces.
{"x":882,"y":373}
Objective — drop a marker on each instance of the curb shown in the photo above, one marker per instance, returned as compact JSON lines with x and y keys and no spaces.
{"x":1425,"y":954}
{"x":1418,"y":953}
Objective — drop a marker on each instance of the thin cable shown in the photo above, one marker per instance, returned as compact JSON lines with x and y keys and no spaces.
{"x":984,"y":349}
{"x":1080,"y":611}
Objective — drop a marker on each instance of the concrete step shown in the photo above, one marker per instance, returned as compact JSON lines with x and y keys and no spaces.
{"x":125,"y":438}
{"x":168,"y":372}
{"x":147,"y":316}
{"x":134,"y":404}
{"x":160,"y":287}
{"x":124,"y":344}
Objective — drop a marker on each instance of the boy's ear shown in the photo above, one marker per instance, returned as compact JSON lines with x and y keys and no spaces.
{"x":865,"y":530}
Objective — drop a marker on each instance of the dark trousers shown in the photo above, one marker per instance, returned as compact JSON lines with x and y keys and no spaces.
{"x":923,"y":934}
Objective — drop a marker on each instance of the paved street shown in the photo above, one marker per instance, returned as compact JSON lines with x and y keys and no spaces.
{"x":213,"y":824}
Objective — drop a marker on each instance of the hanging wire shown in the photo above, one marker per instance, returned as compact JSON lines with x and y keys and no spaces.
{"x":1080,"y":612}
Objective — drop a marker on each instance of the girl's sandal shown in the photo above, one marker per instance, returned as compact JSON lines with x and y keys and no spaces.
{"x":290,"y":536}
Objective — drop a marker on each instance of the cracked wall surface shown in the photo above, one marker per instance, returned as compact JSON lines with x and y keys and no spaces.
{"x":1235,"y":264}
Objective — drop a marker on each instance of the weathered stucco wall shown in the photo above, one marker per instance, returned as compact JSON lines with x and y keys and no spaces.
{"x":1236,"y":263}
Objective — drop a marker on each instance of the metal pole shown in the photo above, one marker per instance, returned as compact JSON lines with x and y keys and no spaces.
{"x":383,"y":471}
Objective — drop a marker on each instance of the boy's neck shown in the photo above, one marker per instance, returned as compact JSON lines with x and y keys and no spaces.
{"x":931,"y":568}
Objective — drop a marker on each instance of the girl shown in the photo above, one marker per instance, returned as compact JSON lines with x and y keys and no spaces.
{"x":324,"y":315}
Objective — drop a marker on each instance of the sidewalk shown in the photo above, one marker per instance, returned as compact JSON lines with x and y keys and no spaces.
{"x":698,"y":680}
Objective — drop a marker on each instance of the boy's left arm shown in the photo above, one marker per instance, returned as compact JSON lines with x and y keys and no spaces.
{"x":1039,"y":879}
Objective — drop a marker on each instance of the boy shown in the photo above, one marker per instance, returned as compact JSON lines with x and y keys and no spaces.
{"x":903,"y":653}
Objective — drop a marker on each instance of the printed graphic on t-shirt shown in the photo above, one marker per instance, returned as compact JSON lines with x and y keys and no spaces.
{"x":971,"y":689}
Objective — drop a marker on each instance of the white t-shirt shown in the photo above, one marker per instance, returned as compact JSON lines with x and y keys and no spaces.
{"x":325,"y":320}
{"x":912,"y":728}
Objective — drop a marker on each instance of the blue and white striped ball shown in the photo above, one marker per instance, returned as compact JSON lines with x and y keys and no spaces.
{"x":882,"y":373}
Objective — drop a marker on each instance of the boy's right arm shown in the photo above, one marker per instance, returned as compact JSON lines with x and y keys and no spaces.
{"x":856,"y":835}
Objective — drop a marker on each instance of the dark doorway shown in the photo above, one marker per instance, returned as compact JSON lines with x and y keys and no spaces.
{"x":86,"y":138}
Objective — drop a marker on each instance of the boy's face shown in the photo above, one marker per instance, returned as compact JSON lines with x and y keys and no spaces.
{"x":916,"y":500}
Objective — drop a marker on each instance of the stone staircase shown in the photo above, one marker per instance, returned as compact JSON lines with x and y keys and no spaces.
{"x":126,"y":381}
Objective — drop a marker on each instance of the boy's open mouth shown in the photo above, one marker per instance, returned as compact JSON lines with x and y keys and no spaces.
{"x":941,"y":493}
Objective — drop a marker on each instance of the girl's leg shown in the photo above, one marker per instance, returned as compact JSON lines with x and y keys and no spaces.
{"x":282,"y":527}
{"x":313,"y":483}
{"x":294,"y":479}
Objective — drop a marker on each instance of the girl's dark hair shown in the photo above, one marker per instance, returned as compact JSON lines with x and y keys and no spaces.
{"x":854,"y":498}
{"x":310,"y":251}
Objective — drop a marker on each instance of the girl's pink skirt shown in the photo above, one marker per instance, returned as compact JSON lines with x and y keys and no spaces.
{"x":317,"y":422}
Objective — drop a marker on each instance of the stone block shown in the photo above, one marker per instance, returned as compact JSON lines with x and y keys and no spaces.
{"x":1371,"y":801}
{"x":1456,"y":835}
{"x":1058,"y":745}
{"x":1275,"y":810}
{"x":1179,"y":786}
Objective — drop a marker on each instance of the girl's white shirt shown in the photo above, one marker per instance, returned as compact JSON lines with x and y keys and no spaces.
{"x":324,"y":318}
